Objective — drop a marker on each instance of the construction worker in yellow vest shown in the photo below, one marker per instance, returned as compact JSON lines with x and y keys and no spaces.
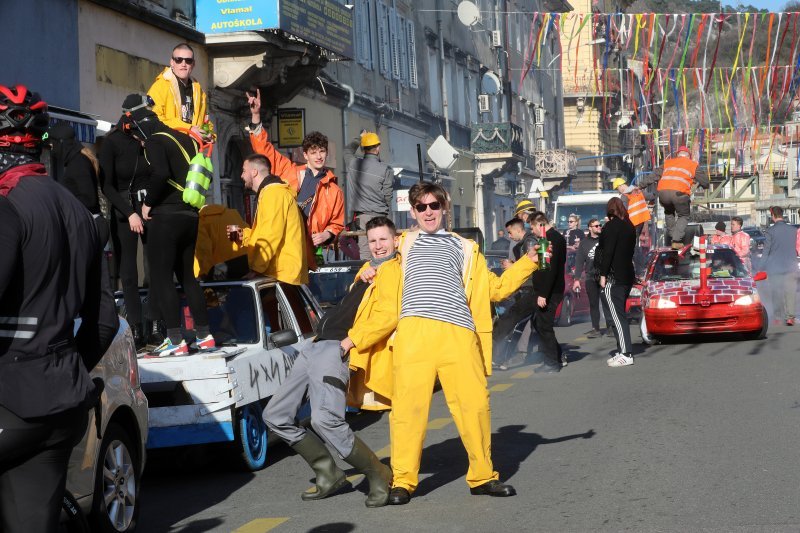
{"x":635,"y":202}
{"x":675,"y":179}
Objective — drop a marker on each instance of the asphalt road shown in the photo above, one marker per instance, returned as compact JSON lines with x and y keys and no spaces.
{"x":693,"y":437}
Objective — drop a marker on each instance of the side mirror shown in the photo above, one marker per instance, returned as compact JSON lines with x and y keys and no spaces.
{"x":282,"y":338}
{"x":760,"y":276}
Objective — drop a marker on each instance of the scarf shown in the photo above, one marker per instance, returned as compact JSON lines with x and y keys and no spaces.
{"x":16,"y":166}
{"x":375,"y":263}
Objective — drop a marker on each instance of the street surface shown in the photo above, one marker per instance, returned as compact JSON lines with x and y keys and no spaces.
{"x":693,"y":437}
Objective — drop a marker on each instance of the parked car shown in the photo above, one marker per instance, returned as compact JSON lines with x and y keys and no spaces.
{"x":105,"y":468}
{"x":674,"y":304}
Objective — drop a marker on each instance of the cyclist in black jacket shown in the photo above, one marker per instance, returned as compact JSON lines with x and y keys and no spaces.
{"x":172,"y":230}
{"x":615,"y":265}
{"x":124,"y":173}
{"x":51,"y":271}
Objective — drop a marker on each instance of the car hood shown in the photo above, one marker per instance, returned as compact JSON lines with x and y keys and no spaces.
{"x":685,"y":291}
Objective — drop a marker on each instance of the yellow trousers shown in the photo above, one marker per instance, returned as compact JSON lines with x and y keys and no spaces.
{"x":423,"y":349}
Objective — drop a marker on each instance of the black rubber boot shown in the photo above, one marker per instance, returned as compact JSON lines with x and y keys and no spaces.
{"x":330,"y":477}
{"x":138,"y":336}
{"x":378,"y":474}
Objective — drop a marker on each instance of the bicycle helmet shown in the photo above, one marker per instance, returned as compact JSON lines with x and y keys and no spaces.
{"x":23,"y":120}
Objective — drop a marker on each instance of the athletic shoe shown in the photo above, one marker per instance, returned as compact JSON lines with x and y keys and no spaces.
{"x":167,"y":349}
{"x":594,"y":333}
{"x":564,"y":360}
{"x":790,"y":321}
{"x":620,"y":360}
{"x":206,"y":344}
{"x":608,"y":361}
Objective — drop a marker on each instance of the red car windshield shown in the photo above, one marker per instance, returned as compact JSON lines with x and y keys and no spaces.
{"x":723,"y":262}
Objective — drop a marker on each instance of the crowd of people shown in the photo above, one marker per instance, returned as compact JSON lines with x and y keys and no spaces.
{"x":426,"y":285}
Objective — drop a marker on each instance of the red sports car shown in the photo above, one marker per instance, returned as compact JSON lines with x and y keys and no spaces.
{"x":677,"y":300}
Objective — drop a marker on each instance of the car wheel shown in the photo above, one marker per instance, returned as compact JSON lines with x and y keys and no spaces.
{"x":251,"y":437}
{"x":115,"y":505}
{"x":762,"y":333}
{"x":647,"y":338}
{"x":566,"y":312}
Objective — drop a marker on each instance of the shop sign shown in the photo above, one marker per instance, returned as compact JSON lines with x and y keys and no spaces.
{"x":291,"y":127}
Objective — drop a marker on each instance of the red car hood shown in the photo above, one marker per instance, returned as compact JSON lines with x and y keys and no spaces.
{"x":684,"y":292}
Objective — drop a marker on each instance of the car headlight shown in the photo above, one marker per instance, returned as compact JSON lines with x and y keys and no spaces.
{"x":662,"y":303}
{"x":636,"y":292}
{"x":747,"y":299}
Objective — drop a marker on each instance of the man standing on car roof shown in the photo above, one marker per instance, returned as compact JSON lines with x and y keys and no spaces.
{"x":323,"y":370}
{"x":51,"y":271}
{"x":276,"y":244}
{"x":675,"y":179}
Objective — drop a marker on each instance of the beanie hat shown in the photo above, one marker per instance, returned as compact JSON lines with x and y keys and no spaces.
{"x":720,"y":226}
{"x":61,"y":131}
{"x":139,"y":122}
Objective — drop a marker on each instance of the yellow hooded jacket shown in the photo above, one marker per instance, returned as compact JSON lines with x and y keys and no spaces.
{"x":167,"y":96}
{"x":482,"y":287}
{"x":213,"y":245}
{"x":276,"y":243}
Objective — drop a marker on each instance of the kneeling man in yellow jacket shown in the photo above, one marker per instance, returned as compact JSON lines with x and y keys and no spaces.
{"x":276,"y":243}
{"x":444,"y":329}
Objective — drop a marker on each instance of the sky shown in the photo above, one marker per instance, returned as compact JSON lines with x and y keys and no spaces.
{"x":772,"y":5}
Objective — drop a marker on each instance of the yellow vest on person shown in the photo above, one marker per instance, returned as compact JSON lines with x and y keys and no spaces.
{"x":637,"y":207}
{"x":678,"y":175}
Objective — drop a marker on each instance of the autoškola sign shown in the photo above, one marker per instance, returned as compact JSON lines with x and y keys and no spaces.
{"x":325,"y":23}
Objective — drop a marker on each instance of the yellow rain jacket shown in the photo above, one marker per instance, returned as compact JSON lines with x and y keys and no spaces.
{"x":276,"y":243}
{"x":213,"y":245}
{"x":372,"y":334}
{"x":482,"y":287}
{"x":167,"y":96}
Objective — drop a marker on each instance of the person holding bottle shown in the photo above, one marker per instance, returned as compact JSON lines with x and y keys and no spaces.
{"x":548,"y":289}
{"x":318,"y":195}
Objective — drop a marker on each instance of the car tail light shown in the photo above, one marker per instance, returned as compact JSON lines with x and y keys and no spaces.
{"x":662,"y":303}
{"x":636,"y":292}
{"x":133,"y":367}
{"x":747,"y":299}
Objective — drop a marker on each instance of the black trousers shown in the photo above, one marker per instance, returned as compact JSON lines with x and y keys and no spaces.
{"x":170,"y":250}
{"x":126,"y":247}
{"x":593,"y":293}
{"x":34,"y":454}
{"x":544,"y":320}
{"x":613,"y":297}
{"x":501,"y":333}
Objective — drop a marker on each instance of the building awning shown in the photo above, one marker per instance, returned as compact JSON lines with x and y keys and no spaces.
{"x":84,"y":125}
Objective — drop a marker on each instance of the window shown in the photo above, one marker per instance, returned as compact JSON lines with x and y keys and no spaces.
{"x":274,"y":317}
{"x":394,"y":41}
{"x":363,"y":16}
{"x":232,"y":314}
{"x":384,"y":41}
{"x":434,"y":81}
{"x":411,"y":43}
{"x":301,"y":308}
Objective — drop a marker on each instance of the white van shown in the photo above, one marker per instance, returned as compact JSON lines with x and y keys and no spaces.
{"x":587,"y":205}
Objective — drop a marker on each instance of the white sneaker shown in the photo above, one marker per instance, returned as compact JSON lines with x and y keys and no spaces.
{"x":608,"y":361}
{"x":620,"y":360}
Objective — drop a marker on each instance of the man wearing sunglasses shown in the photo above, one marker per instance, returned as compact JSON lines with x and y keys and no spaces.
{"x":444,"y":305}
{"x":584,"y":262}
{"x":179,"y":101}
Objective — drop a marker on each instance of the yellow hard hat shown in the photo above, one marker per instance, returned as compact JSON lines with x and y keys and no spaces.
{"x":617,"y":182}
{"x":370,"y":139}
{"x":524,"y":205}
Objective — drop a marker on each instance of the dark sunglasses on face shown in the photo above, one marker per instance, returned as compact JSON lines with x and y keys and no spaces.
{"x":421,"y":208}
{"x":187,"y":60}
{"x":595,"y":226}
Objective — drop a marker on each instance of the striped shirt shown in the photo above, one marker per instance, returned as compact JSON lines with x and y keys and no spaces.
{"x":432,"y":284}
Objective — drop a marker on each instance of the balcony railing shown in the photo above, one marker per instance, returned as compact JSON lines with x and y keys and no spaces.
{"x":496,"y":138}
{"x":557,"y":163}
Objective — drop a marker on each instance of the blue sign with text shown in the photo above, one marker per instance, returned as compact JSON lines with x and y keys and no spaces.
{"x":225,"y":16}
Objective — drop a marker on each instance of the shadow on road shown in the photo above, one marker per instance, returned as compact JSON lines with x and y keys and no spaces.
{"x":334,"y":527}
{"x":447,"y":460}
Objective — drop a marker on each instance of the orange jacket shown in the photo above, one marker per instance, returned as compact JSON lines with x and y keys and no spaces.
{"x":678,"y":175}
{"x":327,"y":208}
{"x":637,"y":207}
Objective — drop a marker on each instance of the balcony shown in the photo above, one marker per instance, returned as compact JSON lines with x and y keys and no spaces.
{"x":557,"y":163}
{"x":496,"y":140}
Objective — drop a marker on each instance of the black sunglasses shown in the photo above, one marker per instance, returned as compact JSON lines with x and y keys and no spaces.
{"x":421,"y":208}
{"x":187,"y":60}
{"x":595,"y":226}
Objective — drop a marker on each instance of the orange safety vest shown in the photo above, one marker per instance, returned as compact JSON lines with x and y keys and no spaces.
{"x":637,"y":207}
{"x":678,"y":175}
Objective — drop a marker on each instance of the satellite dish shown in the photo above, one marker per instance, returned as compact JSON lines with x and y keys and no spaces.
{"x":442,"y":154}
{"x":490,"y":83}
{"x":468,"y":13}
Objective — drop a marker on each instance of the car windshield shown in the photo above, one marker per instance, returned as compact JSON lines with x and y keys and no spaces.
{"x":586,"y":212}
{"x":753,"y":232}
{"x":330,"y":284}
{"x":723,"y":262}
{"x":232,"y":314}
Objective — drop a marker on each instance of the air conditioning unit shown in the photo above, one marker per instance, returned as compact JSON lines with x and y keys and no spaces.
{"x":539,"y":119}
{"x":541,"y":145}
{"x":496,"y":41}
{"x":483,"y":103}
{"x":539,"y":131}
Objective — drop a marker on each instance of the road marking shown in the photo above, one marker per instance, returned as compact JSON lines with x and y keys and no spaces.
{"x":384,"y":452}
{"x":500,"y":387}
{"x":439,"y":423}
{"x":581,"y":339}
{"x":261,"y":525}
{"x":522,"y":375}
